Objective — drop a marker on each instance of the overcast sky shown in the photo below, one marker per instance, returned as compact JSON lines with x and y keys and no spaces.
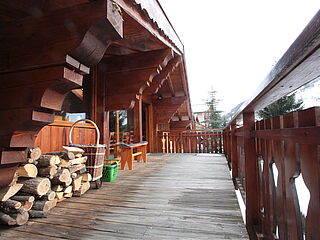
{"x":231,"y":45}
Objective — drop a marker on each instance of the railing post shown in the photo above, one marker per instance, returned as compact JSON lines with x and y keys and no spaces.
{"x":234,"y":153}
{"x":251,"y":175}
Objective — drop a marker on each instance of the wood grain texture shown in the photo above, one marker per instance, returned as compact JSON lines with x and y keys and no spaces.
{"x":181,"y":196}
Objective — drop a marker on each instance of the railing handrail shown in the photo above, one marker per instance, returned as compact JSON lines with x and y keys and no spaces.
{"x":285,"y":77}
{"x":194,"y":130}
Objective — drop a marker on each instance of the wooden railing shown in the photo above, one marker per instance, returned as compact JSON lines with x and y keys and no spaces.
{"x":270,"y":157}
{"x":284,"y":148}
{"x":192,"y":141}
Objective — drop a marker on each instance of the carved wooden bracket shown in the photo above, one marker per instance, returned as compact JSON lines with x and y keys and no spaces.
{"x":70,"y":40}
{"x":180,"y":125}
{"x":165,"y":108}
{"x":128,"y":76}
{"x":161,"y":78}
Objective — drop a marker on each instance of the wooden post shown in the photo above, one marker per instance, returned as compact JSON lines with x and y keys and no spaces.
{"x":150,"y":129}
{"x":116,"y":148}
{"x":251,"y":175}
{"x":99,"y":115}
{"x":234,"y":153}
{"x":138,"y":121}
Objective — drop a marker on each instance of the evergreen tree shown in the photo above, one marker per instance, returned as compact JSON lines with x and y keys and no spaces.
{"x":214,"y":119}
{"x":282,"y":106}
{"x":122,"y":118}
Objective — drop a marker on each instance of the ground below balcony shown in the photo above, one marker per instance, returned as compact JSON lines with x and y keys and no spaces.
{"x":173,"y":196}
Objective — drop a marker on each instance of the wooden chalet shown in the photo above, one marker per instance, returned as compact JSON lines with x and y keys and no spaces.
{"x":64,"y":59}
{"x":89,"y":57}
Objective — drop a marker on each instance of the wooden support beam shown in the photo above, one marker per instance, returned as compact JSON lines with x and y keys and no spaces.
{"x":83,"y":32}
{"x":180,"y":125}
{"x":251,"y":175}
{"x":234,"y":152}
{"x":160,"y":79}
{"x":22,"y":121}
{"x":165,"y":108}
{"x":128,"y":76}
{"x":169,"y":101}
{"x":138,"y":14}
{"x":138,"y":121}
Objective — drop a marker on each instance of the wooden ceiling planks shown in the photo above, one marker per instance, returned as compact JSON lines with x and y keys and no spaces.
{"x":165,"y":108}
{"x":141,"y":16}
{"x":128,"y":76}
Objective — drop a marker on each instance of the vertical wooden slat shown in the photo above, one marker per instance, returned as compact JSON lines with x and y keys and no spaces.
{"x":278,"y":147}
{"x":309,"y":157}
{"x":292,"y":169}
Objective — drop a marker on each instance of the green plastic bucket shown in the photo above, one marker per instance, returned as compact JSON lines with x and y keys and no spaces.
{"x":110,"y":170}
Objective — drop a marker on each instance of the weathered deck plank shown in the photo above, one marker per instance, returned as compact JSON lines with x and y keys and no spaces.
{"x":180,"y":196}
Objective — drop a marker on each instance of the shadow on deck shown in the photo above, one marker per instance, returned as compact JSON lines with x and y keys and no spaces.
{"x":173,"y":196}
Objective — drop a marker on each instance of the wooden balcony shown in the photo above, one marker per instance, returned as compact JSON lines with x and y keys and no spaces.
{"x":173,"y":196}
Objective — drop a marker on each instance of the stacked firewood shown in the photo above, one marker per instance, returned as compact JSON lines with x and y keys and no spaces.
{"x":42,"y":182}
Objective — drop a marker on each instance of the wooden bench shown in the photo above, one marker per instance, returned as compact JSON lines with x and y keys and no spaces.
{"x":131,"y":151}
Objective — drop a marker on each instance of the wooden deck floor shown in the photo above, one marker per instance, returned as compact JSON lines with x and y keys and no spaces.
{"x":180,"y":196}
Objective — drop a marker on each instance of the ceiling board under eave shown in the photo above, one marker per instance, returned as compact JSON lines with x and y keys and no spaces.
{"x":11,"y":10}
{"x":136,"y":37}
{"x":177,"y":84}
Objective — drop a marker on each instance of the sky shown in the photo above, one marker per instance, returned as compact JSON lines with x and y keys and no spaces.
{"x":231,"y":45}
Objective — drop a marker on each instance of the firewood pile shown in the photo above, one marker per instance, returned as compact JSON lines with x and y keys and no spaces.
{"x":42,"y":182}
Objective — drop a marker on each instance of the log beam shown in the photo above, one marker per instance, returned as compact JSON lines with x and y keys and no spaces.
{"x":78,"y":35}
{"x":128,"y":76}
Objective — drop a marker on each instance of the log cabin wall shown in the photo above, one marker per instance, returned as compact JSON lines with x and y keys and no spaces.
{"x":44,"y":63}
{"x":58,"y":135}
{"x":72,"y":45}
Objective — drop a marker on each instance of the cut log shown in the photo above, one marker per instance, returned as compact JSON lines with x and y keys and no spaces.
{"x":59,"y":195}
{"x":64,"y":163}
{"x":38,"y":186}
{"x":48,"y":171}
{"x":78,"y":155}
{"x":83,"y":189}
{"x":11,"y":204}
{"x":14,"y":179}
{"x":74,"y":150}
{"x":74,"y":175}
{"x":63,"y":155}
{"x":68,"y":183}
{"x":23,"y":198}
{"x":29,"y":170}
{"x":44,"y":205}
{"x":57,"y":188}
{"x":78,"y":160}
{"x":7,"y":219}
{"x":76,"y":184}
{"x":62,"y":199}
{"x":34,"y":153}
{"x":62,"y":176}
{"x":50,"y":195}
{"x":48,"y":160}
{"x":12,"y":211}
{"x":21,"y":218}
{"x":38,"y":214}
{"x":9,"y":191}
{"x":68,"y":189}
{"x":30,"y":160}
{"x":67,"y":195}
{"x":78,"y":167}
{"x":27,"y":205}
{"x":86,"y":177}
